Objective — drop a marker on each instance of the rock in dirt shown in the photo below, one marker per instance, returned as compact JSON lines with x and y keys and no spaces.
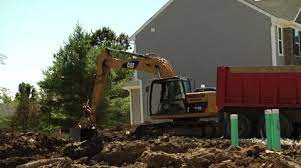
{"x":137,"y":165}
{"x":63,"y":162}
{"x":254,"y":151}
{"x":87,"y":148}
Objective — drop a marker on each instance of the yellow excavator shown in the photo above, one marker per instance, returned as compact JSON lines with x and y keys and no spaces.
{"x":170,"y":97}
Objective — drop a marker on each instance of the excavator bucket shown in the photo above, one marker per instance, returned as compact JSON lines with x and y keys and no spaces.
{"x":86,"y":128}
{"x":82,"y":134}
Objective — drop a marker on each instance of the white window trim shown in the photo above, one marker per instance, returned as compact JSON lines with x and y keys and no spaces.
{"x":131,"y":108}
{"x":141,"y":102}
{"x":274,"y":44}
{"x":278,"y":40}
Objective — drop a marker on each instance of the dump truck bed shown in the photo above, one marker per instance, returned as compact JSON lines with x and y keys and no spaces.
{"x":267,"y":87}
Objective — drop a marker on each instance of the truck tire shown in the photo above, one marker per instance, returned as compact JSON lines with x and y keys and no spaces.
{"x":244,"y":126}
{"x":286,"y":126}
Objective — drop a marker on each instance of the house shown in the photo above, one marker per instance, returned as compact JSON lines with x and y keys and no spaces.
{"x":197,"y":36}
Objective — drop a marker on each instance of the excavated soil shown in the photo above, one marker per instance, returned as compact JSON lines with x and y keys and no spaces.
{"x":118,"y":147}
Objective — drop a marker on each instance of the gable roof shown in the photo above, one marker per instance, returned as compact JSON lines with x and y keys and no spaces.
{"x":298,"y":17}
{"x":285,"y":9}
{"x":289,"y":10}
{"x":132,"y":38}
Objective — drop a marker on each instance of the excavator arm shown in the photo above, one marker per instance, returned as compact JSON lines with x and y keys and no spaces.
{"x":149,"y":63}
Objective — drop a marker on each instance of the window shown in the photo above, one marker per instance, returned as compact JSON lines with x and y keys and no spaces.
{"x":187,"y":86}
{"x":297,"y":42}
{"x":280,"y":40}
{"x":153,"y":29}
{"x":167,"y":97}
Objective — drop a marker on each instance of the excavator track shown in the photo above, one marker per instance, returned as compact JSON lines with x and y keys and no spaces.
{"x":199,"y":129}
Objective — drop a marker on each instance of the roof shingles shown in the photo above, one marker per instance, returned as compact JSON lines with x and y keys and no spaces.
{"x":285,"y":9}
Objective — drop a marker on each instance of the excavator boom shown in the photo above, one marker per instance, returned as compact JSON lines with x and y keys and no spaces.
{"x":149,"y":63}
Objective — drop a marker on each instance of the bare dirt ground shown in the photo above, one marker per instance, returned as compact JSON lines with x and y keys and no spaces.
{"x":117,"y":147}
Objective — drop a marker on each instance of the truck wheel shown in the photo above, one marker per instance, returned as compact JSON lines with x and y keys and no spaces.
{"x":286,"y":126}
{"x":244,"y":126}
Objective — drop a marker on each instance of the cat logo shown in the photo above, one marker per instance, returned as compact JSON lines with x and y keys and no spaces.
{"x":130,"y":65}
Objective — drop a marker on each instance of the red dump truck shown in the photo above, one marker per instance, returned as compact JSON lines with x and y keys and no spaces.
{"x":248,"y":91}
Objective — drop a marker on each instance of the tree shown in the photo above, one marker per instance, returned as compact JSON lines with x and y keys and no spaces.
{"x":27,"y":111}
{"x":4,"y":96}
{"x":66,"y":84}
{"x":65,"y":81}
{"x":7,"y":108}
{"x":106,"y":37}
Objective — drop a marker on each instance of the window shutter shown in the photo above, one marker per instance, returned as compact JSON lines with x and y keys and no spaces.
{"x":288,"y":46}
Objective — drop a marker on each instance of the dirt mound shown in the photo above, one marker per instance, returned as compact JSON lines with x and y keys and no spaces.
{"x":21,"y":144}
{"x":172,"y":144}
{"x":121,"y":152}
{"x":118,"y":147}
{"x":197,"y":157}
{"x":160,"y":159}
{"x":174,"y":151}
{"x":21,"y":147}
{"x":117,"y":133}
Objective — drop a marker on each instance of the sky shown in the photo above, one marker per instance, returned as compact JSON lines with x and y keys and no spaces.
{"x":31,"y":31}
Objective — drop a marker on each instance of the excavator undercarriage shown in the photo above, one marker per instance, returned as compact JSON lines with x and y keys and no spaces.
{"x":192,"y":128}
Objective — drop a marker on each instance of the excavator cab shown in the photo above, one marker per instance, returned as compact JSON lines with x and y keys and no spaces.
{"x":173,"y":98}
{"x":168,"y":96}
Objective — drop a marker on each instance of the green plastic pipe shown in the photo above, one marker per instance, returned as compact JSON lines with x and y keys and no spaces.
{"x":268,"y":129}
{"x":234,"y":129}
{"x":276,"y":129}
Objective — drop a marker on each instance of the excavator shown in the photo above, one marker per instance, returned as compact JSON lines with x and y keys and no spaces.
{"x":169,"y":97}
